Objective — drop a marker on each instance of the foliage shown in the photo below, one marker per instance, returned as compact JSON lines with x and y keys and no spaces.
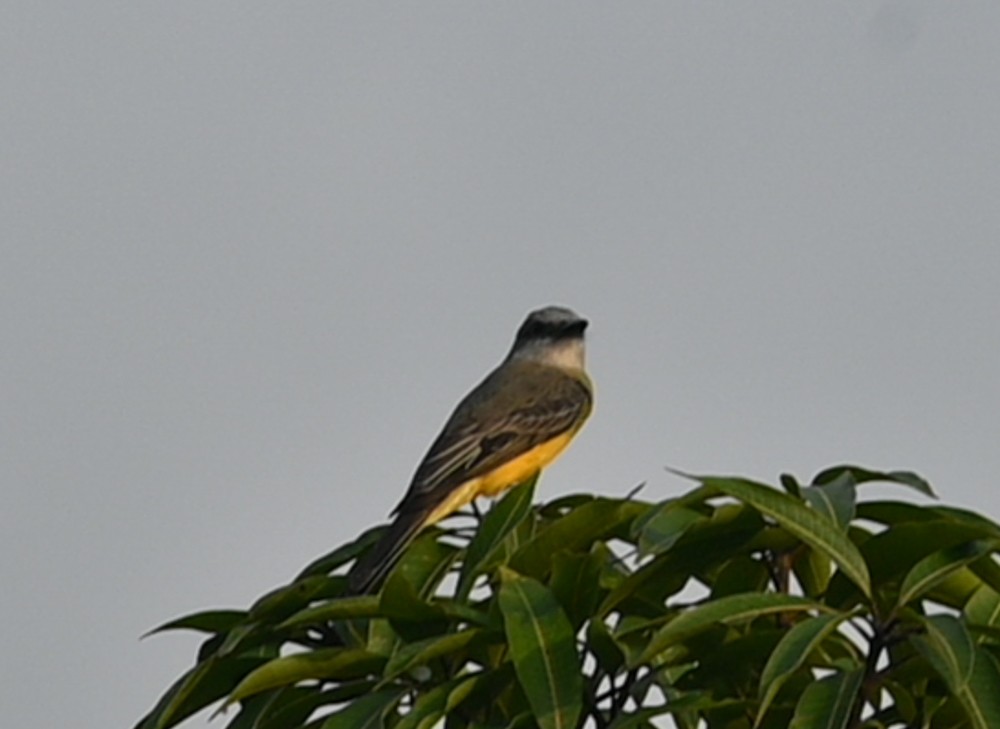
{"x":736,"y":605}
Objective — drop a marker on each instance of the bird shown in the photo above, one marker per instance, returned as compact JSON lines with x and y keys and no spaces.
{"x":515,"y":422}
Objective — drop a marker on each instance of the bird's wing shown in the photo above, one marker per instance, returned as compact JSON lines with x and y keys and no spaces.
{"x":510,"y":413}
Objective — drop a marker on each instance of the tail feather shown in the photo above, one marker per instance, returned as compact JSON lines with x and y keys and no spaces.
{"x":367,"y":575}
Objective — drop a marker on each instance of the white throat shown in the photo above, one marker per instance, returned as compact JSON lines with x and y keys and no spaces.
{"x":567,"y":354}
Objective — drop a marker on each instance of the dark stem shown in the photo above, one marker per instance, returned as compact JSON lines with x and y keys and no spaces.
{"x":881,"y":636}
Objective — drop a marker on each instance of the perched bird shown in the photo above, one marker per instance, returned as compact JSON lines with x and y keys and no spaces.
{"x":514,"y":423}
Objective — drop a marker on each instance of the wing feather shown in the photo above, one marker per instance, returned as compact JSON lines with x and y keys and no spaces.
{"x":511,"y":412}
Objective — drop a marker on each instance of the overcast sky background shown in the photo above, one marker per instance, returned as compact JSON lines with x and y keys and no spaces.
{"x":253,"y":253}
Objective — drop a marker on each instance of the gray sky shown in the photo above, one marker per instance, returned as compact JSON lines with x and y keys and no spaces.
{"x":254,"y":253}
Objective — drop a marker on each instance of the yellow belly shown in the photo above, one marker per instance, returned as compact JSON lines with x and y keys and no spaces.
{"x":502,"y":478}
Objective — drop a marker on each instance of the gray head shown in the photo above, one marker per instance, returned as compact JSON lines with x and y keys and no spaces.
{"x":553,"y":335}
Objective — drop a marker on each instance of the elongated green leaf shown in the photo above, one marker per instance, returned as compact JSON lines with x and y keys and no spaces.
{"x":729,"y":530}
{"x":499,"y":522}
{"x":430,"y":707}
{"x":935,"y":567}
{"x":988,"y":571}
{"x":208,"y":621}
{"x":948,"y":647}
{"x":738,"y":575}
{"x":894,"y":552}
{"x":333,"y":663}
{"x":564,"y":504}
{"x":609,"y":656}
{"x":543,"y":651}
{"x":981,"y":696}
{"x":791,"y":484}
{"x":406,"y":597}
{"x":728,"y":610}
{"x":577,"y":530}
{"x":892,"y":513}
{"x":791,"y":654}
{"x":458,"y":695}
{"x":420,"y":653}
{"x":813,"y":570}
{"x":284,"y":601}
{"x":293,"y":705}
{"x":575,"y":581}
{"x":343,"y":554}
{"x":983,"y":607}
{"x":367,"y":712}
{"x":903,"y":702}
{"x":863,"y":475}
{"x":988,"y":527}
{"x":204,"y":684}
{"x":690,"y":702}
{"x":836,"y":499}
{"x":827,"y":704}
{"x":424,"y":564}
{"x":660,"y":529}
{"x":253,"y":710}
{"x":489,"y":688}
{"x":813,"y":528}
{"x":955,"y":589}
{"x":344,"y":608}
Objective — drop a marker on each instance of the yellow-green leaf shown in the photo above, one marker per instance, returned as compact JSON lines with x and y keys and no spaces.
{"x":332,"y":663}
{"x":813,"y":528}
{"x":728,"y":610}
{"x":543,"y":651}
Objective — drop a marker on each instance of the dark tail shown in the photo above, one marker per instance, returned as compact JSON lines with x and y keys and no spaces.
{"x":367,"y":575}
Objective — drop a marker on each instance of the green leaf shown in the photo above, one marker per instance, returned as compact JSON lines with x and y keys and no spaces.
{"x":577,"y":530}
{"x":204,"y":684}
{"x":894,"y":552}
{"x":424,"y":564}
{"x":329,"y":663}
{"x":728,"y":610}
{"x":738,"y":575}
{"x":367,"y":712}
{"x":835,"y":499}
{"x":983,"y":608}
{"x":981,"y":697}
{"x":935,"y":567}
{"x":988,"y":571}
{"x":948,"y":647}
{"x":208,"y":621}
{"x":791,"y":485}
{"x":575,"y":581}
{"x":411,"y":655}
{"x":499,"y":522}
{"x":609,"y":656}
{"x":813,"y":570}
{"x":343,"y":554}
{"x":903,"y":702}
{"x":293,"y":705}
{"x":726,"y":532}
{"x":344,"y":608}
{"x":659,"y":529}
{"x":813,"y":528}
{"x":892,"y":513}
{"x":696,"y":702}
{"x":827,"y":703}
{"x":863,"y":475}
{"x":406,"y":597}
{"x":284,"y":601}
{"x":542,"y":648}
{"x":791,"y":654}
{"x":430,"y":706}
{"x":987,"y":527}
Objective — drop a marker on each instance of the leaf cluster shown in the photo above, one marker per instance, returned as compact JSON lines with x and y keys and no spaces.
{"x":735,"y":606}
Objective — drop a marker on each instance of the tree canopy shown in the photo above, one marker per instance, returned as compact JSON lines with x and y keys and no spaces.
{"x":735,"y":605}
